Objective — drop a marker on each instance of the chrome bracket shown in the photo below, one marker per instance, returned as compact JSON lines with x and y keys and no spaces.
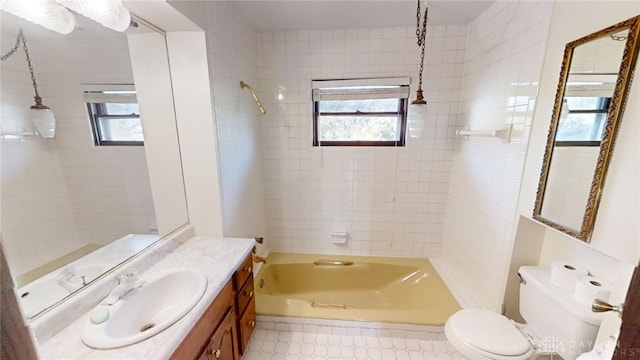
{"x":603,"y":306}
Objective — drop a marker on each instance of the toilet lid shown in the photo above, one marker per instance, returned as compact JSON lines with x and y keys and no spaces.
{"x":488,"y":331}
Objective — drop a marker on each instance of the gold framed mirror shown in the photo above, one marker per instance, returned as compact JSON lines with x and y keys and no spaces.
{"x":592,"y":91}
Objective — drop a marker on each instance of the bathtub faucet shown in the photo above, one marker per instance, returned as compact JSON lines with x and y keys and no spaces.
{"x":256,"y":258}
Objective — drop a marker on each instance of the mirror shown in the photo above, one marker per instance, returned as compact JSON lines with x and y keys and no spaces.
{"x":72,"y":210}
{"x":592,"y":91}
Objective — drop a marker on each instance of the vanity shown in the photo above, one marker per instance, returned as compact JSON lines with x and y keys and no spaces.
{"x":217,"y":327}
{"x":226,"y":327}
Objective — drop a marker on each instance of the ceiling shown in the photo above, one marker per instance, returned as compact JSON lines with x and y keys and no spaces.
{"x":86,"y":29}
{"x":266,"y":15}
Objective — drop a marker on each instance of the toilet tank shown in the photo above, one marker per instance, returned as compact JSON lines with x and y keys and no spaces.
{"x":562,"y":324}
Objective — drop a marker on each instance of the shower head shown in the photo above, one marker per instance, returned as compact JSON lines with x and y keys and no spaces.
{"x":255,"y":98}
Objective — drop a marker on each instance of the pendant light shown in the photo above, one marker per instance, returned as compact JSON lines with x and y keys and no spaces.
{"x":417,"y":116}
{"x":41,"y":115}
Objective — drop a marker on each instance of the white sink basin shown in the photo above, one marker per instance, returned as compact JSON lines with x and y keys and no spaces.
{"x":165,"y":298}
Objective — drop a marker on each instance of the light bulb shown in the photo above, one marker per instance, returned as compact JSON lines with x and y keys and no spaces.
{"x":44,"y":121}
{"x":45,"y":13}
{"x":109,"y":13}
{"x":417,"y":119}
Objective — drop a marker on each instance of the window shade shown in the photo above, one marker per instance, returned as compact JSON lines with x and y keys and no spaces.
{"x":109,"y":93}
{"x":360,"y":89}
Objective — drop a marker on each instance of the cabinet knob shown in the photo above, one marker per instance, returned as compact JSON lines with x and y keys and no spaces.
{"x":217,"y":353}
{"x":248,"y":269}
{"x":249,"y":294}
{"x":252,"y":323}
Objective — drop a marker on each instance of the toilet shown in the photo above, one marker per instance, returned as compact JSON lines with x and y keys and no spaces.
{"x":556,"y":324}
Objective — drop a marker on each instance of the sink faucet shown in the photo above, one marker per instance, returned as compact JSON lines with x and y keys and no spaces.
{"x":126,"y":283}
{"x":68,"y":280}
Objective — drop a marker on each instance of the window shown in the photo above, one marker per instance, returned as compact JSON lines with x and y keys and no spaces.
{"x":582,"y":121}
{"x":360,"y":112}
{"x":114,"y":115}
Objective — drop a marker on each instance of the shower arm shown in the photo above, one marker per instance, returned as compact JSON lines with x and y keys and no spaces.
{"x":255,"y":98}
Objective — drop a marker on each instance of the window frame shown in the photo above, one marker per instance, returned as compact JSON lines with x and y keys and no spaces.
{"x":361,"y":89}
{"x":95,"y":98}
{"x":402,"y":123}
{"x":603,"y":108}
{"x":96,"y":112}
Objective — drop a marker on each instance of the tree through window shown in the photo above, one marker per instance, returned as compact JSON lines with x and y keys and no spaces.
{"x":360,"y":112}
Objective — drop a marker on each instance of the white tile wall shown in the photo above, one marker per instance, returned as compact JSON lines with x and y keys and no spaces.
{"x":502,"y":66}
{"x":62,"y":193}
{"x":109,"y":186}
{"x":232,"y":51}
{"x":390,"y":200}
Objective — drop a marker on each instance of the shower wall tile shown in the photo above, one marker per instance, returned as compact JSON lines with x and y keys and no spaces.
{"x":502,"y":67}
{"x":391,"y":200}
{"x":232,"y":52}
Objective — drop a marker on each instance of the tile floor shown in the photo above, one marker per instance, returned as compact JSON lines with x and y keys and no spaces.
{"x":290,"y":345}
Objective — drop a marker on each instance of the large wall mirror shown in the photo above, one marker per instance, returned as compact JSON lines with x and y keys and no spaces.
{"x":72,"y":208}
{"x":592,"y":91}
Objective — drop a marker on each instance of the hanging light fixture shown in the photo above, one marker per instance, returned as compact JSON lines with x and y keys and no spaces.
{"x":45,"y":13}
{"x":54,"y":14}
{"x":109,"y":13}
{"x":417,"y":116}
{"x":41,"y":115}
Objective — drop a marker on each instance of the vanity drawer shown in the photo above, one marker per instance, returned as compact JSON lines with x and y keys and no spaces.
{"x":244,"y":271}
{"x":245,"y":295}
{"x":247,"y":325}
{"x":198,"y":338}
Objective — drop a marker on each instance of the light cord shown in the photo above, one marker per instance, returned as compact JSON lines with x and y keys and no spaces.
{"x":20,"y":38}
{"x":421,"y":34}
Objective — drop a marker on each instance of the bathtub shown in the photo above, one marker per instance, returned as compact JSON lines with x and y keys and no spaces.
{"x":396,"y":290}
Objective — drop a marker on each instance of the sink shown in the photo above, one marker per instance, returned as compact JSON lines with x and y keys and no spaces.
{"x":165,"y":297}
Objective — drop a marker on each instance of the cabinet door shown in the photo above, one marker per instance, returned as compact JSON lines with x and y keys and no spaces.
{"x":199,"y":337}
{"x":247,"y":325}
{"x":223,"y":341}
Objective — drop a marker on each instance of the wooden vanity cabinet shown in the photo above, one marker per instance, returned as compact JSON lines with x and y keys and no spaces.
{"x":225,"y":328}
{"x":222,"y":345}
{"x":245,"y":303}
{"x":215,"y":333}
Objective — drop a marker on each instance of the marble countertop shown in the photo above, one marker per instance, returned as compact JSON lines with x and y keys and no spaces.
{"x":216,"y":258}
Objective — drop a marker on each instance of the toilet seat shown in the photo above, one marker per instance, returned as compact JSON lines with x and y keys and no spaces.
{"x":488,"y":335}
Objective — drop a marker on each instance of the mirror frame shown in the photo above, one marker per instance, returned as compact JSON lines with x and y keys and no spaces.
{"x":612,"y":126}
